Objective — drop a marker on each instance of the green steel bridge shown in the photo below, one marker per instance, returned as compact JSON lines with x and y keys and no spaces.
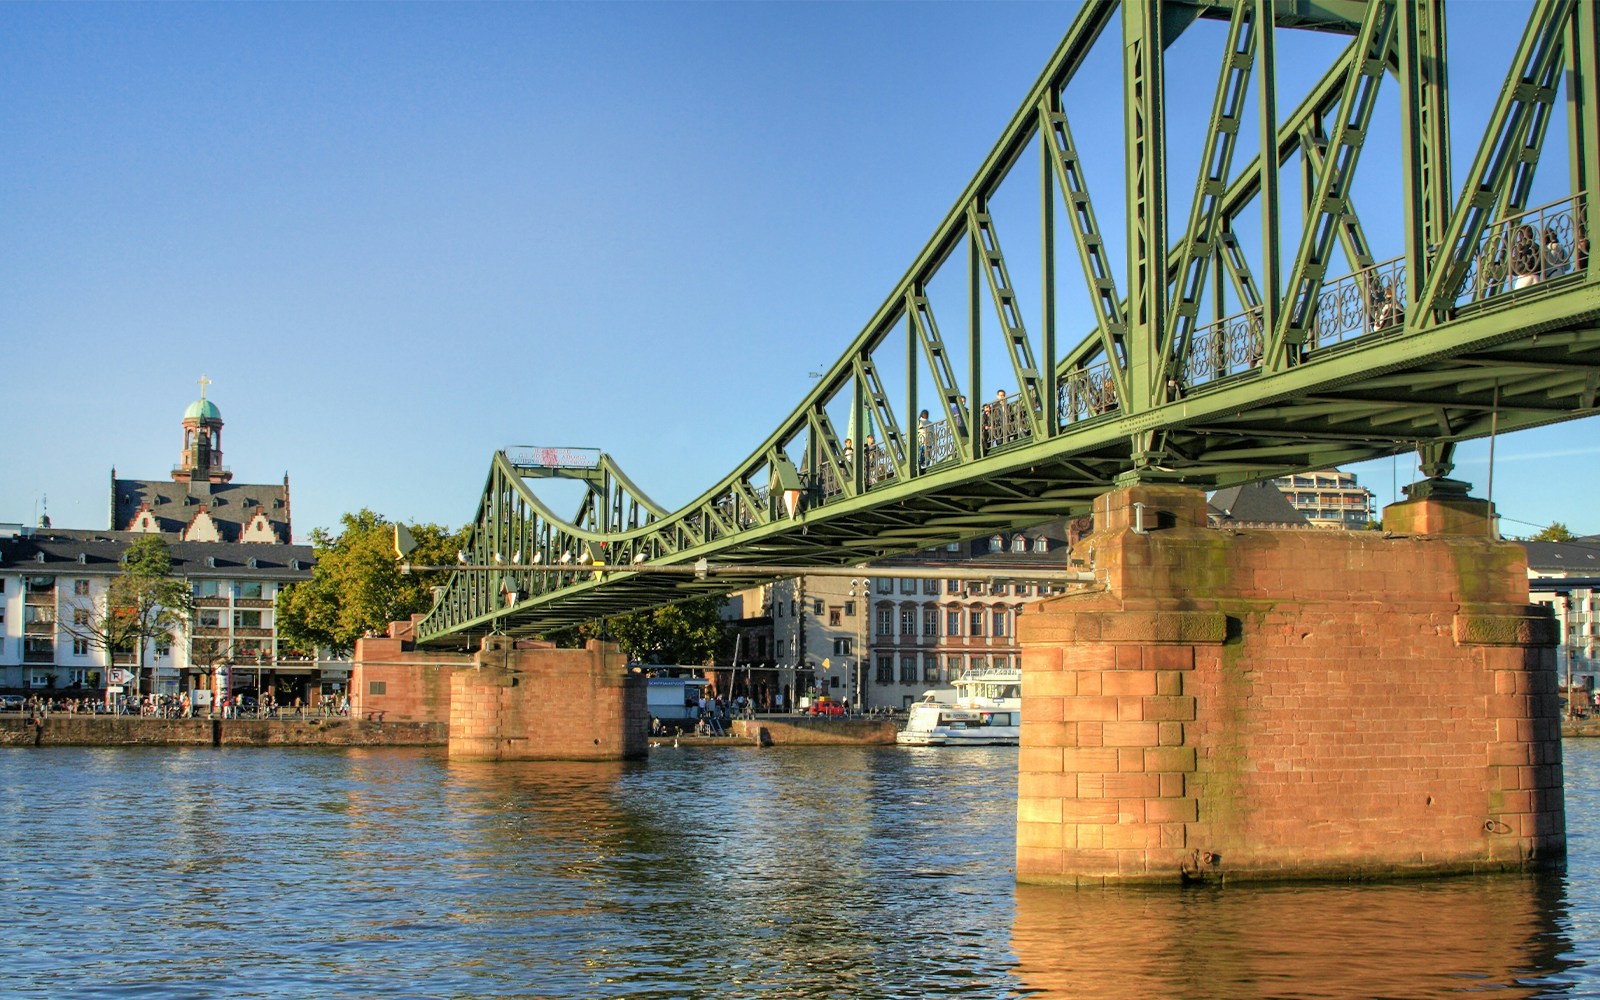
{"x":1257,"y":334}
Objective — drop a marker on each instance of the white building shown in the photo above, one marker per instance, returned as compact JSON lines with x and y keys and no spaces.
{"x":1566,"y":576}
{"x":52,"y":579}
{"x":230,"y":542}
{"x":1329,"y":498}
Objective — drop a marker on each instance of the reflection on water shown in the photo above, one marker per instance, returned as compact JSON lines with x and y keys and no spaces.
{"x":786,"y":873}
{"x":1427,"y":940}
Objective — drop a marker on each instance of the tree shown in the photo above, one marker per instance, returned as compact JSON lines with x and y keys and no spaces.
{"x":144,"y":602}
{"x":689,"y":632}
{"x":356,"y":587}
{"x":1556,"y":532}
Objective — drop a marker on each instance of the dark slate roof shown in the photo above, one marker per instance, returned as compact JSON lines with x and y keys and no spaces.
{"x":175,"y":504}
{"x":1254,"y":503}
{"x":1579,"y":557}
{"x":68,"y":550}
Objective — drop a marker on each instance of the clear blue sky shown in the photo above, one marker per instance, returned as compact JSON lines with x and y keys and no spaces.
{"x":400,"y":236}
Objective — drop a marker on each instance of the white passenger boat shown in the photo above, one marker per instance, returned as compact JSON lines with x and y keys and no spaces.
{"x":985,"y":711}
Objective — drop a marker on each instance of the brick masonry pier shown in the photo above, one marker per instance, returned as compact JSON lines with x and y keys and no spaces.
{"x":1285,"y":704}
{"x":511,"y":700}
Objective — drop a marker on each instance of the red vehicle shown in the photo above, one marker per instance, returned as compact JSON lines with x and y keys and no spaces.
{"x":825,"y":706}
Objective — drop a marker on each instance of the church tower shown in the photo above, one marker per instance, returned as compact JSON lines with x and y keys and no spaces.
{"x":202,"y":442}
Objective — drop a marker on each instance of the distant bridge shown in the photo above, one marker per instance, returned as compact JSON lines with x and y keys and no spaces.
{"x":1257,"y":334}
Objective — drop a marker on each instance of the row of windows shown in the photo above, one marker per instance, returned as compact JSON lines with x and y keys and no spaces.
{"x":927,"y":669}
{"x":964,"y":588}
{"x":212,"y":618}
{"x":249,"y":589}
{"x":244,"y":649}
{"x":957,"y":622}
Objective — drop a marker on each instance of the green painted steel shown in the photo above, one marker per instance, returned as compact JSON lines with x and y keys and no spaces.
{"x":1208,"y":358}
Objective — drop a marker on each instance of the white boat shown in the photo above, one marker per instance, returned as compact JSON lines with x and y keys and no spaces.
{"x":985,"y":711}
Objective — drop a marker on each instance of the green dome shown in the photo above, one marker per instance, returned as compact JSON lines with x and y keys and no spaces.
{"x":202,"y":409}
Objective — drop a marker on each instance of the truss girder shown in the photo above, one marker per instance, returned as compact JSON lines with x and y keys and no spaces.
{"x":1312,"y":373}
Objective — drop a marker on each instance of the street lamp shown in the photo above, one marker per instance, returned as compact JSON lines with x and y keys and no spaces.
{"x":858,"y":593}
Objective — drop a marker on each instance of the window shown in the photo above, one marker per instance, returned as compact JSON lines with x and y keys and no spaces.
{"x":952,"y":622}
{"x":930,"y":668}
{"x":377,"y":687}
{"x":1019,"y":544}
{"x":247,"y":619}
{"x":841,"y":647}
{"x":849,"y":609}
{"x":250,"y":589}
{"x":80,"y":617}
{"x":998,"y":624}
{"x":997,"y":543}
{"x":930,"y":587}
{"x":975,"y":622}
{"x":930,"y":621}
{"x":164,"y":644}
{"x":952,"y":586}
{"x":1041,"y":544}
{"x":2,"y":644}
{"x":885,"y":673}
{"x":80,"y":647}
{"x":908,"y":670}
{"x":885,"y":622}
{"x":205,"y":588}
{"x":80,"y":588}
{"x":908,"y":621}
{"x":908,"y":585}
{"x":816,"y":608}
{"x":835,"y":617}
{"x":976,"y":588}
{"x":791,"y":609}
{"x":952,"y":666}
{"x":783,"y":648}
{"x":1001,"y":589}
{"x":885,"y":585}
{"x":208,"y":618}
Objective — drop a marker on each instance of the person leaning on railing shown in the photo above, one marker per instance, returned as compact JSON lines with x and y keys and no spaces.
{"x":1525,"y":257}
{"x":1557,"y":261}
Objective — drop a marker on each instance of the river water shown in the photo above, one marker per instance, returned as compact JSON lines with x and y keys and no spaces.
{"x":799,"y":872}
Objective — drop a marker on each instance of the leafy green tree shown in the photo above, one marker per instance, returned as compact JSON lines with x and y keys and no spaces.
{"x":689,"y":632}
{"x":1556,"y":532}
{"x":144,"y":602}
{"x":356,"y":587}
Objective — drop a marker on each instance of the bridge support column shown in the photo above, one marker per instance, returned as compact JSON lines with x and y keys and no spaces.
{"x":524,"y":702}
{"x":1285,"y":704}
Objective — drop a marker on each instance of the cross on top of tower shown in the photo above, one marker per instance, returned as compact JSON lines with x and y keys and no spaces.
{"x":203,"y":383}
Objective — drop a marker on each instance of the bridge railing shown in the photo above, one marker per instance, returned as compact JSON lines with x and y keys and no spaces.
{"x":1526,"y":248}
{"x":1362,"y":302}
{"x":1085,"y":393}
{"x":1226,"y":347}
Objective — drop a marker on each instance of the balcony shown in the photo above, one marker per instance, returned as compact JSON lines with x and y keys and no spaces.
{"x":39,"y":656}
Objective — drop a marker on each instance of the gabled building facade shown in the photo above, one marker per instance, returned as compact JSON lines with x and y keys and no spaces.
{"x":55,"y":581}
{"x":200,"y":502}
{"x":231,"y":543}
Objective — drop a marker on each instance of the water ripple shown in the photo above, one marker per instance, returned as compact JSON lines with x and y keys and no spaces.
{"x":789,"y":874}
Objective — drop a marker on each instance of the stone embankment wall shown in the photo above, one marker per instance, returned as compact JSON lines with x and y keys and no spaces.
{"x":1270,"y":704}
{"x":800,"y":731}
{"x":127,"y":731}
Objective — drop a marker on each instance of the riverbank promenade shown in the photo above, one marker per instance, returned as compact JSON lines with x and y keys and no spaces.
{"x":61,"y":729}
